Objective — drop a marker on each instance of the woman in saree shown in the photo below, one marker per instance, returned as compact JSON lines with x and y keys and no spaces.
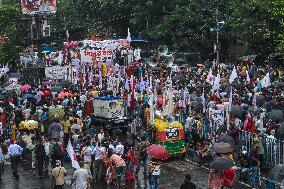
{"x":110,"y":169}
{"x":131,"y":162}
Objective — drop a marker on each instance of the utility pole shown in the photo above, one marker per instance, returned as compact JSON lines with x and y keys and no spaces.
{"x":67,"y":41}
{"x":32,"y":41}
{"x":217,"y":39}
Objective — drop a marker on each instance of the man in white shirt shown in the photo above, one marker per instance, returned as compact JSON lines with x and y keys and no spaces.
{"x":119,"y":149}
{"x":14,"y":151}
{"x":98,"y":166}
{"x":80,"y":177}
{"x":47,"y":152}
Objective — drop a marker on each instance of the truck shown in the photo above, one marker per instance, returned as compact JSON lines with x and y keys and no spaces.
{"x":110,"y":113}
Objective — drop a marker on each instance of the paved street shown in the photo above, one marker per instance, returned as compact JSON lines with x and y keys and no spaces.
{"x":171,"y":178}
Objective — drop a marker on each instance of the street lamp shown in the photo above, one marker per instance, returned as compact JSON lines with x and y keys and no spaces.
{"x":217,"y":28}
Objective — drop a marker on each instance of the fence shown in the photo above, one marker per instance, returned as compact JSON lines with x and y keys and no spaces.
{"x":273,"y":148}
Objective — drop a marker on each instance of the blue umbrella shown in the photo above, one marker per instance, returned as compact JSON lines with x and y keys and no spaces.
{"x":28,"y":96}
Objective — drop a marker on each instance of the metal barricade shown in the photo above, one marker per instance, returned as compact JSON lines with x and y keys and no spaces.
{"x":273,"y":148}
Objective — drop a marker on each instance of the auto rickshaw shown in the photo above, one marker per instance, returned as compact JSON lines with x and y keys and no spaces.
{"x":170,"y":134}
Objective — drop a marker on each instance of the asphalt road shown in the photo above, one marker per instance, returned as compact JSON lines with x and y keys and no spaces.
{"x":171,"y":178}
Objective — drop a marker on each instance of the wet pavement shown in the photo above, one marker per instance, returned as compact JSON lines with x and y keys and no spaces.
{"x":171,"y":178}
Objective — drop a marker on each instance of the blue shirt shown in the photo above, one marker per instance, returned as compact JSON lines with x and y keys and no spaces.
{"x":14,"y":150}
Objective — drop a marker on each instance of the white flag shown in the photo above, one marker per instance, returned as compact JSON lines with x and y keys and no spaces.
{"x":72,"y":156}
{"x":216,"y":85}
{"x":203,"y":101}
{"x":210,"y":77}
{"x":128,"y":35}
{"x":266,"y":81}
{"x":126,"y":86}
{"x":231,"y":100}
{"x":248,"y":78}
{"x":233,"y":76}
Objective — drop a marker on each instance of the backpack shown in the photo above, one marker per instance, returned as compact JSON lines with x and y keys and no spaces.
{"x":57,"y":152}
{"x":143,"y":152}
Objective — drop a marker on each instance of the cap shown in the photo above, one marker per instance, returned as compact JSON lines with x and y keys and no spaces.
{"x":58,"y":162}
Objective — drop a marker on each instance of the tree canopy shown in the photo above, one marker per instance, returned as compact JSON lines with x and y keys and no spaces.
{"x":251,"y":26}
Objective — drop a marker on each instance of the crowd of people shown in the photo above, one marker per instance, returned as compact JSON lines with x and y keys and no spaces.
{"x":115,"y":159}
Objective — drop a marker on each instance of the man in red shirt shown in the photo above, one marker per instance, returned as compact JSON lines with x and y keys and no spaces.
{"x":229,"y":177}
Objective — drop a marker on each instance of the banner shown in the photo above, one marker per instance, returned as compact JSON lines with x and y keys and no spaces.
{"x":101,"y":50}
{"x":3,"y":71}
{"x":218,"y":116}
{"x":57,"y":72}
{"x":38,"y":6}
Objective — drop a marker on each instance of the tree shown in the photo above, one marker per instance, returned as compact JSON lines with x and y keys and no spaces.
{"x":14,"y":28}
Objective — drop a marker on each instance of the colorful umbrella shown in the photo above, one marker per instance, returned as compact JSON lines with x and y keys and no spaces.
{"x":158,"y":152}
{"x":59,"y":111}
{"x":25,"y":87}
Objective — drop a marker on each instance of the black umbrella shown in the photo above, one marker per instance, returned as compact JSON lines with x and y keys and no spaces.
{"x":56,"y":89}
{"x":276,"y":115}
{"x":237,"y":111}
{"x":277,"y":173}
{"x":201,"y":85}
{"x":196,"y":105}
{"x":280,"y":131}
{"x":221,"y":164}
{"x":66,"y":83}
{"x":236,"y":85}
{"x":179,"y":78}
{"x":222,"y":148}
{"x":2,"y":97}
{"x":227,"y":139}
{"x":260,"y":100}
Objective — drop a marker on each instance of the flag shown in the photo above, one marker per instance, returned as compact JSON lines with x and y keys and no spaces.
{"x":254,"y":102}
{"x":126,"y":86}
{"x":203,"y":101}
{"x":216,"y":85}
{"x":141,"y":84}
{"x":266,"y":81}
{"x":218,"y":26}
{"x":233,"y":76}
{"x":248,"y":78}
{"x":231,"y":100}
{"x":101,"y":80}
{"x":215,"y":48}
{"x":151,"y":102}
{"x":210,"y":77}
{"x":67,"y":34}
{"x":128,"y":35}
{"x":171,"y":99}
{"x":72,"y":155}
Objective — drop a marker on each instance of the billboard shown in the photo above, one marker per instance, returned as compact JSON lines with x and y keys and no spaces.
{"x":38,"y":6}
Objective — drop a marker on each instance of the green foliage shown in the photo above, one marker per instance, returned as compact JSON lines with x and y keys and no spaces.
{"x":14,"y":28}
{"x":254,"y":26}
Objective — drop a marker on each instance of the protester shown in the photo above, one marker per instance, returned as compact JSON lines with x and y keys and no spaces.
{"x":58,"y":174}
{"x":141,"y":151}
{"x":229,"y":177}
{"x":80,"y":177}
{"x":40,"y":157}
{"x":120,"y":168}
{"x":14,"y":152}
{"x":187,"y":184}
{"x":154,"y":174}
